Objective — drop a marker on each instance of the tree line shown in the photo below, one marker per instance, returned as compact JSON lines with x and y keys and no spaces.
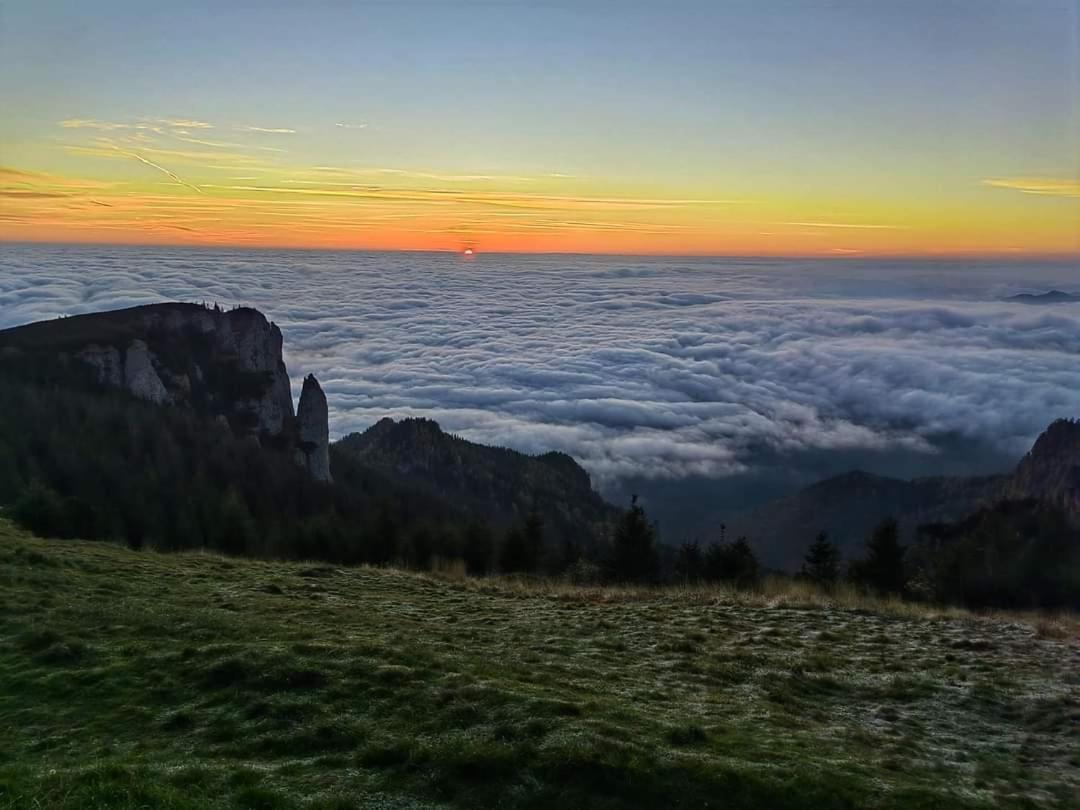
{"x":1013,"y":554}
{"x":101,"y":465}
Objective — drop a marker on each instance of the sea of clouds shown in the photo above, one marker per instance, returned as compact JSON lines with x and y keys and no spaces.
{"x":658,"y":368}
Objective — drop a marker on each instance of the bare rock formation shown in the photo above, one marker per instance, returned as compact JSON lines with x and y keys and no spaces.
{"x":140,"y":377}
{"x":106,"y":362}
{"x":1051,"y":471}
{"x":313,"y":430}
{"x":225,"y":364}
{"x":257,"y":344}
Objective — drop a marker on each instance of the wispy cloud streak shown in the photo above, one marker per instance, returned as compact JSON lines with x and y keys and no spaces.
{"x":853,"y":225}
{"x":1050,"y":186}
{"x":268,"y":130}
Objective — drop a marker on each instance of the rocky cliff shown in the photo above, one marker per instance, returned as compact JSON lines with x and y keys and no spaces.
{"x":1050,"y":472}
{"x":227,"y":364}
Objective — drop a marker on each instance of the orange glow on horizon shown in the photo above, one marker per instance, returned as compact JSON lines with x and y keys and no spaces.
{"x":807,"y":130}
{"x":132,"y":190}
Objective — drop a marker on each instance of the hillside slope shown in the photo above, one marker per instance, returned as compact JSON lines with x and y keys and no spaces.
{"x":500,"y":484}
{"x":849,"y":506}
{"x":1051,"y":471}
{"x":196,"y":681}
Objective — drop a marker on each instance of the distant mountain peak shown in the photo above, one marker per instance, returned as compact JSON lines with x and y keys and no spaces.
{"x":1051,"y":297}
{"x":497,"y":482}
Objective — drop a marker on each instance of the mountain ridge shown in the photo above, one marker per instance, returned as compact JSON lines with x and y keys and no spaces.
{"x":1050,"y":297}
{"x":847,"y":506}
{"x":503,"y":483}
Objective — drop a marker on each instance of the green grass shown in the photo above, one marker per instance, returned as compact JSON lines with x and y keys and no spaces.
{"x":141,"y":680}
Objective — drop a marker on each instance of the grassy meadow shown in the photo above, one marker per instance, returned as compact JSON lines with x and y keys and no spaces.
{"x":139,"y":680}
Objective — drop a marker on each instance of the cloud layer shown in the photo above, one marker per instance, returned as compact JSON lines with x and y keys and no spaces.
{"x":647,"y":368}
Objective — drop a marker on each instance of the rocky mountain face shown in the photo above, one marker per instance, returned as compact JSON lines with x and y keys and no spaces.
{"x":1050,"y":472}
{"x":496,"y":483}
{"x":226,"y":364}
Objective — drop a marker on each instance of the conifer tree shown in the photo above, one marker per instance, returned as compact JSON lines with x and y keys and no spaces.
{"x":477,"y":547}
{"x":533,"y":535}
{"x":513,"y":557}
{"x":689,"y":562}
{"x":634,"y":552}
{"x":883,"y":567}
{"x":822,"y":561}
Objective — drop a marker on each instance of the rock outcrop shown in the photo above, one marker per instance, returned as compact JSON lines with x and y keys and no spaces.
{"x":257,"y":344}
{"x":140,"y":377}
{"x":1050,"y":472}
{"x":227,"y":364}
{"x":313,"y":431}
{"x":107,"y":363}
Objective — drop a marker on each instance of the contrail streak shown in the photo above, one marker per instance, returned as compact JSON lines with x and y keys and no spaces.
{"x":150,"y":163}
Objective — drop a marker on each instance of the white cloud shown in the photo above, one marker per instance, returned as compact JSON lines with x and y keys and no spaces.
{"x":154,"y":124}
{"x":638,"y":367}
{"x":854,"y":225}
{"x":269,"y":130}
{"x":1050,"y":186}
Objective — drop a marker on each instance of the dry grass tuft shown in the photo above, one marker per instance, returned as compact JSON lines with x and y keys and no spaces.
{"x":772,"y":592}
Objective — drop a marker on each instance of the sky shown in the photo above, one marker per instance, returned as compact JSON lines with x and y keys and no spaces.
{"x":840,"y":129}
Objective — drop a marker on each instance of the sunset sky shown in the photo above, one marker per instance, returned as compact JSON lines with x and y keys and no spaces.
{"x":760,"y":128}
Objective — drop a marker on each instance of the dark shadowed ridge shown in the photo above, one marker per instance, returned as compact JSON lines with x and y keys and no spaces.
{"x":848,"y":507}
{"x":1052,"y":297}
{"x":500,"y":484}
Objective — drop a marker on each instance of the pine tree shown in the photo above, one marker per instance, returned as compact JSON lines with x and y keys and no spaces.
{"x":822,"y":561}
{"x":477,"y":547}
{"x":634,"y":552}
{"x":235,"y":529}
{"x":384,"y":540}
{"x":513,"y":557}
{"x":533,"y":534}
{"x":883,"y":567}
{"x":689,"y":562}
{"x":420,"y":548}
{"x":732,"y":562}
{"x":745,"y":565}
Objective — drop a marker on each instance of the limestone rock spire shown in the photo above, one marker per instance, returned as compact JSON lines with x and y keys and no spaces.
{"x":313,"y":430}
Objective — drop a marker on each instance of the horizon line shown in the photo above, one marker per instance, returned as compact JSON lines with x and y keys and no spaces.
{"x":865,"y":255}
